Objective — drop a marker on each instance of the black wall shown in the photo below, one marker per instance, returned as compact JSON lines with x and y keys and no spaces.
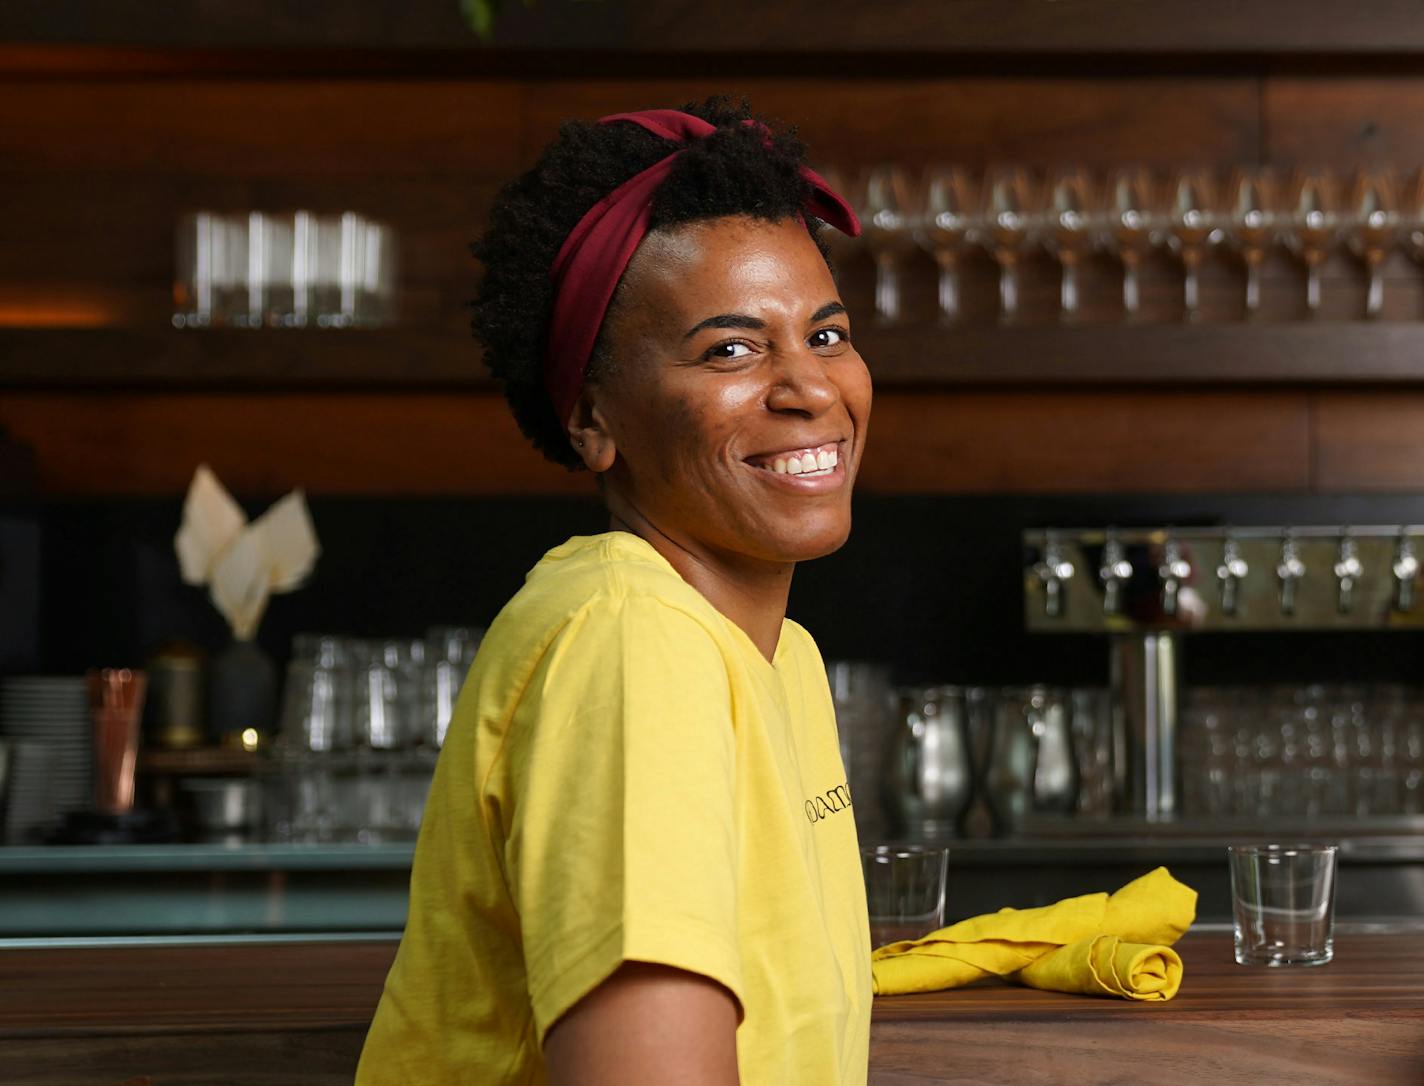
{"x":929,"y":584}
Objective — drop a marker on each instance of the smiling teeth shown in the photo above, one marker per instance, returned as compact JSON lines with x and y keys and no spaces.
{"x":818,"y":463}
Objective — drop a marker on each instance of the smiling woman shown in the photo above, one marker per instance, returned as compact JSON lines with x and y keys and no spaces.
{"x":617,"y":880}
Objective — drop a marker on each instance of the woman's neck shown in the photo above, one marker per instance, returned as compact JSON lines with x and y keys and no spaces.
{"x":749,"y":593}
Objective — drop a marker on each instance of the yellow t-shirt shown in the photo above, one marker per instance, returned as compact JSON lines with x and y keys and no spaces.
{"x":626,"y":778}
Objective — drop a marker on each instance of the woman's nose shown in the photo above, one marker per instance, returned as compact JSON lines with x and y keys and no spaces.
{"x":800,"y":382}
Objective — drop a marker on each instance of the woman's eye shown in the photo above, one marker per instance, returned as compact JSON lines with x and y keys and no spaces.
{"x":733,"y":349}
{"x":827,"y":337}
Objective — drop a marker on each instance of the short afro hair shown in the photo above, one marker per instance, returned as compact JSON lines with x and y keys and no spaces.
{"x":737,"y":170}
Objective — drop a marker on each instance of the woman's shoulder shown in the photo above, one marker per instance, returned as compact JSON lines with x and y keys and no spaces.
{"x":608,"y":576}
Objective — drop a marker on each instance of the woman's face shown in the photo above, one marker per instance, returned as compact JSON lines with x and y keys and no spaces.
{"x":737,"y":406}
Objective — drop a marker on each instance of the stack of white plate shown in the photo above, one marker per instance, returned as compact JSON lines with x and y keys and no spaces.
{"x":45,"y":719}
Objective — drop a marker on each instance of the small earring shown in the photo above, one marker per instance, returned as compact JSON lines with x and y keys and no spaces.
{"x":580,"y":443}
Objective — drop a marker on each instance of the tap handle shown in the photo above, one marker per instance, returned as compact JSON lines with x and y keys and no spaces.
{"x":1114,"y":573}
{"x":1229,"y":575}
{"x":1289,"y":571}
{"x":1173,"y":571}
{"x":1348,"y":571}
{"x":1054,"y":571}
{"x":1405,"y":568}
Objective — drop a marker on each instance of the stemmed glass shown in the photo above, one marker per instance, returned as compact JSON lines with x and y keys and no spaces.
{"x":1068,"y":229}
{"x":1251,"y":212}
{"x":886,"y":229}
{"x":1373,"y":229}
{"x":1193,"y":227}
{"x":1314,"y":227}
{"x":1131,"y":228}
{"x":1009,"y":215}
{"x":944,"y":229}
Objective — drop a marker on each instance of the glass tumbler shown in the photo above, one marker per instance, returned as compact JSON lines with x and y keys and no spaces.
{"x":904,"y":890}
{"x":1283,"y":897}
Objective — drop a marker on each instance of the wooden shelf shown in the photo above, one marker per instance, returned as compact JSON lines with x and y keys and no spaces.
{"x":967,"y":28}
{"x":1043,"y":355}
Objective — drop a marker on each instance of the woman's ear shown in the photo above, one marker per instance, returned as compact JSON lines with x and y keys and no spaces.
{"x":589,"y":433}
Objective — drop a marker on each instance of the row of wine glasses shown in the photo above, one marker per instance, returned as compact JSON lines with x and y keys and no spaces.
{"x":1009,"y":211}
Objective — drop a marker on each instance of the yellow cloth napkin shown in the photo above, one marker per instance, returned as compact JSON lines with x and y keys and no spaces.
{"x":1099,"y":944}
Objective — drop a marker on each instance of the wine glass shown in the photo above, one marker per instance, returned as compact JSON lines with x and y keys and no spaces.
{"x":885,"y":226}
{"x":1068,"y":223}
{"x":1373,"y":228}
{"x":1314,"y":227}
{"x":1193,"y":227}
{"x":1009,"y":217}
{"x":1132,"y":226}
{"x":944,"y":229}
{"x":1251,"y":200}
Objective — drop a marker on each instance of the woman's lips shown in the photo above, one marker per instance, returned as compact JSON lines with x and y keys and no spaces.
{"x":817,"y":480}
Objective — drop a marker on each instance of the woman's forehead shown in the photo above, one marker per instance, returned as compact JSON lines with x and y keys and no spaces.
{"x":697,"y":265}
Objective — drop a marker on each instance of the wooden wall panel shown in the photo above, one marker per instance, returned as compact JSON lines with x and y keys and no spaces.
{"x":1344,"y":122}
{"x":1148,"y":442}
{"x":1365,"y":442}
{"x":140,"y":443}
{"x":1041,"y":121}
{"x":110,"y":444}
{"x":263,"y":128}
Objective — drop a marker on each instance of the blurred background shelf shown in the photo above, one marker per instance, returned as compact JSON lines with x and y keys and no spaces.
{"x":1043,"y":354}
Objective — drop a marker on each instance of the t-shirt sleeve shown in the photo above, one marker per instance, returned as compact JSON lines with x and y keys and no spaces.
{"x":621,"y":843}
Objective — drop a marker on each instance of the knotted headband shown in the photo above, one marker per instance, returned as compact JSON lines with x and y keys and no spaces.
{"x":597,"y":250}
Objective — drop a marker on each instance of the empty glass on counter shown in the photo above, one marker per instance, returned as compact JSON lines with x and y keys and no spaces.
{"x":1283,"y":903}
{"x":904,"y":890}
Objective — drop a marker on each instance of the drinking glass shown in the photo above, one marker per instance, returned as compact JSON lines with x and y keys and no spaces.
{"x":200,"y":240}
{"x":886,"y":228}
{"x":1313,"y":221}
{"x":1373,"y":228}
{"x":904,"y":890}
{"x":944,"y":229}
{"x":1008,"y":220}
{"x":1193,"y":227}
{"x":1132,"y":227}
{"x":1283,"y":901}
{"x":1252,"y":224}
{"x":1068,"y":229}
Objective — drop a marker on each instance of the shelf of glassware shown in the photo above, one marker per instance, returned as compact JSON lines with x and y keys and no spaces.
{"x":913,"y":354}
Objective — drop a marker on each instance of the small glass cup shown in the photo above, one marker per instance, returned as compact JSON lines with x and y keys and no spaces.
{"x":1283,"y":898}
{"x":904,"y":890}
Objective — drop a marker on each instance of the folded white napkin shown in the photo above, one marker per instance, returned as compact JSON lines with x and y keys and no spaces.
{"x":243,"y":563}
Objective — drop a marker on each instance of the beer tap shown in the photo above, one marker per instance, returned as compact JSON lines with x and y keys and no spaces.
{"x":1405,"y":568}
{"x":1289,"y":571}
{"x":1173,"y":571}
{"x":1113,"y":573}
{"x":1348,"y":571}
{"x":1054,"y":570}
{"x":1229,"y":574}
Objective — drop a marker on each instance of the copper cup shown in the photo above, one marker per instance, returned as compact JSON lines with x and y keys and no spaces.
{"x":115,"y":707}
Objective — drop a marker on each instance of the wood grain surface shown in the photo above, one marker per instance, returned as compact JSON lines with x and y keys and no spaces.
{"x":297,"y":1013}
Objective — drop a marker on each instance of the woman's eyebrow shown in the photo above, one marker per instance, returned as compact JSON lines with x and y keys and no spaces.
{"x":725,"y":320}
{"x":742,"y":320}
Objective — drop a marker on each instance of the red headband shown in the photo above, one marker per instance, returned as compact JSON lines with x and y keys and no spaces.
{"x":597,"y":250}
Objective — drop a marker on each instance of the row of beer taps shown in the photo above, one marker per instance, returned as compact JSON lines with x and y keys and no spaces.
{"x":1055,"y":567}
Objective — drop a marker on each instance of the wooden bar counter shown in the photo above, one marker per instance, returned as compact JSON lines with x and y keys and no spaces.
{"x":296,"y":1013}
